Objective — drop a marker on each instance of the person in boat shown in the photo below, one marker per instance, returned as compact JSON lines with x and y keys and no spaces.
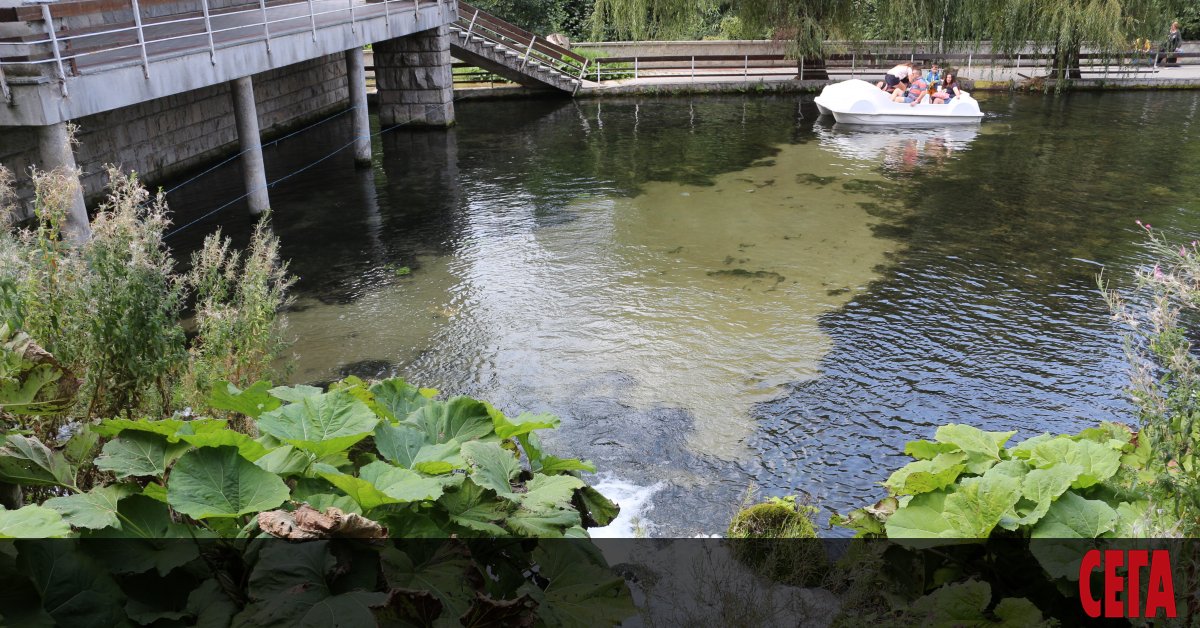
{"x":947,"y":91}
{"x":913,"y":90}
{"x":933,"y":75}
{"x":894,"y":77}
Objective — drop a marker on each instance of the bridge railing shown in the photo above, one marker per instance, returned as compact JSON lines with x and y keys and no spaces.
{"x":476,"y":22}
{"x":191,"y":26}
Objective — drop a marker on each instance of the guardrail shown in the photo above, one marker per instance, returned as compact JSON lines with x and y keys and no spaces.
{"x":143,"y":38}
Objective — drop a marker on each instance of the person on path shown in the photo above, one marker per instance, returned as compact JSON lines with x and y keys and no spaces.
{"x":1171,"y":47}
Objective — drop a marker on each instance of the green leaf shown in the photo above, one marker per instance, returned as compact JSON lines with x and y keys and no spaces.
{"x":550,"y":491}
{"x":473,"y":508}
{"x":1043,"y":486}
{"x":1018,"y":611}
{"x":171,"y":429}
{"x":977,"y":504}
{"x":924,"y":476}
{"x":322,"y":424}
{"x":462,"y":419}
{"x":321,"y":501}
{"x":399,"y":397}
{"x":523,"y":424}
{"x":219,"y":482}
{"x":542,"y":522}
{"x":72,"y":587}
{"x":25,"y":460}
{"x":554,"y":464}
{"x":1074,"y":517}
{"x":399,"y":444}
{"x":439,"y":459}
{"x":1096,"y":462}
{"x":927,"y":450}
{"x":155,"y":491}
{"x":285,"y":460}
{"x":81,"y":447}
{"x":1024,"y":449}
{"x":363,"y":492}
{"x":492,"y":467}
{"x":32,"y":522}
{"x":251,"y":402}
{"x":139,"y":454}
{"x":446,"y":572}
{"x":601,"y":509}
{"x":299,"y":584}
{"x":143,"y":517}
{"x":958,"y":604}
{"x":921,"y":518}
{"x":96,"y":509}
{"x":249,"y":448}
{"x":295,"y":394}
{"x":983,"y":448}
{"x":581,"y":591}
{"x":1132,"y":520}
{"x":401,"y":484}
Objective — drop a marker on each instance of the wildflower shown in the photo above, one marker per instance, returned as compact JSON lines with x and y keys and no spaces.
{"x":1158,"y":273}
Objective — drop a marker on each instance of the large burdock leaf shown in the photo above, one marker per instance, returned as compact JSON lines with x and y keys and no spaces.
{"x":473,"y":508}
{"x":461,"y":419}
{"x":251,"y":402}
{"x":137,"y":453}
{"x":542,"y":522}
{"x":601,"y":509}
{"x":1075,"y":517}
{"x":580,"y":590}
{"x":219,"y":482}
{"x":983,"y":448}
{"x":171,"y":429}
{"x":492,"y":467}
{"x":977,"y":504}
{"x":303,"y":584}
{"x":322,"y":424}
{"x":94,"y":510}
{"x":523,"y":424}
{"x":399,"y":443}
{"x":401,"y":484}
{"x":400,"y":398}
{"x":25,"y":460}
{"x":924,"y":476}
{"x":1043,"y":486}
{"x":550,"y":491}
{"x":923,"y":517}
{"x":1096,"y":462}
{"x":32,"y":522}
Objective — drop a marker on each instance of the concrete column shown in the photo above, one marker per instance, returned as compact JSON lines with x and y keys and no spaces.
{"x":356,"y":75}
{"x":414,"y":81}
{"x":54,"y":148}
{"x":254,"y":172}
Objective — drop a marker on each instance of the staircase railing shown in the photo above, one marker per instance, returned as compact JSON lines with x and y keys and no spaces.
{"x":530,"y":48}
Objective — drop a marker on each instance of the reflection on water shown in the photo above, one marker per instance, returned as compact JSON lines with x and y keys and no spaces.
{"x":717,"y":294}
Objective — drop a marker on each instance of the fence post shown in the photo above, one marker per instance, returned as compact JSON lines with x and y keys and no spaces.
{"x":693,"y":68}
{"x":853,"y":65}
{"x":801,"y":68}
{"x":312,"y":20}
{"x":48,"y":22}
{"x":970,"y":56}
{"x":262,"y":8}
{"x":1018,"y":61}
{"x":5,"y":92}
{"x":387,"y":16}
{"x":583,"y":70}
{"x":416,"y":10}
{"x":141,"y":36}
{"x":212,"y":49}
{"x":353,"y":26}
{"x":746,"y":67}
{"x":597,"y":70}
{"x":635,"y":68}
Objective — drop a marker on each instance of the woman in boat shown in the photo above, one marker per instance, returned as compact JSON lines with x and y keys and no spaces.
{"x":949,"y":90}
{"x":894,"y":77}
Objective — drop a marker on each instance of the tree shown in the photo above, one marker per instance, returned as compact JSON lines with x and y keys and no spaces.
{"x":1064,"y":26}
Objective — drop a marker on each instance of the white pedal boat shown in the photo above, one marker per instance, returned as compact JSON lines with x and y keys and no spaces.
{"x":859,"y":102}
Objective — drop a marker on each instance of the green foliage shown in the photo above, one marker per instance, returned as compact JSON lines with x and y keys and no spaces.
{"x":238,"y":335}
{"x":1165,"y":379}
{"x":102,"y":318}
{"x":411,"y":464}
{"x":761,"y":530}
{"x":973,"y":486}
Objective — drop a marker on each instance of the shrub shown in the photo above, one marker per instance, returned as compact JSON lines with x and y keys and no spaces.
{"x":777,"y":540}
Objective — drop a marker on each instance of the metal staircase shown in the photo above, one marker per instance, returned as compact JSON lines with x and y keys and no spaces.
{"x":489,"y":42}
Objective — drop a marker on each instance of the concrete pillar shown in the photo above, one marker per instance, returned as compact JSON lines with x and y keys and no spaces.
{"x":414,"y":81}
{"x":356,"y":75}
{"x":254,"y":172}
{"x":54,"y":149}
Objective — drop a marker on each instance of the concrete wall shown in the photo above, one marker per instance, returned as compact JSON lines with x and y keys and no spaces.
{"x":164,"y":137}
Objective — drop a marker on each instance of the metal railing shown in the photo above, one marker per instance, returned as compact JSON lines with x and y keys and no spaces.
{"x":144,"y":39}
{"x":478,"y":26}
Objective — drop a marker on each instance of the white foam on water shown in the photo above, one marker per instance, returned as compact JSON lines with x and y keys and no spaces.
{"x":634,"y":501}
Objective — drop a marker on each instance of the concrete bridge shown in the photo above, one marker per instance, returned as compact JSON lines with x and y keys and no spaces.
{"x":162,"y":86}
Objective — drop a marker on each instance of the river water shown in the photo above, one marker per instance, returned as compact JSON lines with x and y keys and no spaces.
{"x":723,"y":295}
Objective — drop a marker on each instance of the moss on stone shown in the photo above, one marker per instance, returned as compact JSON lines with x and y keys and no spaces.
{"x":777,"y":540}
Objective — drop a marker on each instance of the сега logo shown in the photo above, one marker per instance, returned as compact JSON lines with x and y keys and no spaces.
{"x":1160,"y":594}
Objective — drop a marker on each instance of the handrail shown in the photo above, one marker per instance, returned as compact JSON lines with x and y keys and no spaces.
{"x":476,"y":23}
{"x":219,"y":29}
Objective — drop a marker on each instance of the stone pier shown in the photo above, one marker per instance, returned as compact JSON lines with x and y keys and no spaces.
{"x":414,"y":79}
